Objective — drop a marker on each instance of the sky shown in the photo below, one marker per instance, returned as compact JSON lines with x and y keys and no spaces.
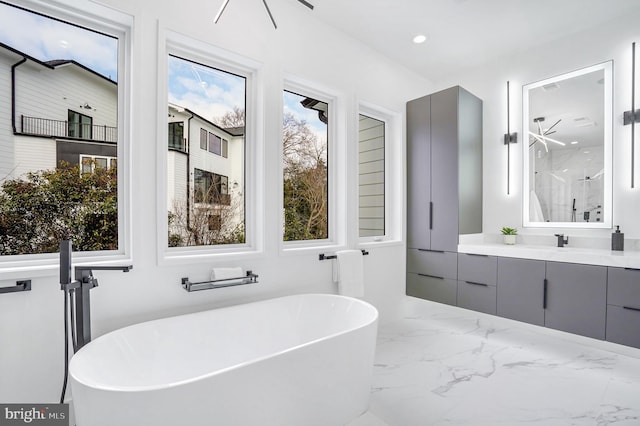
{"x":310,"y":116}
{"x":47,"y":39}
{"x":204,"y":90}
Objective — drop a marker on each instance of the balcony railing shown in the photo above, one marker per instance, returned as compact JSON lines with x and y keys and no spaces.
{"x":64,"y":129}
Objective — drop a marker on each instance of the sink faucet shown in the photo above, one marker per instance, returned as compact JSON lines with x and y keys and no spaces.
{"x":562,"y":240}
{"x":79,"y":289}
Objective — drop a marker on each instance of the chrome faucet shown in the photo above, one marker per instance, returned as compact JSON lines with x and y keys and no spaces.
{"x":562,"y":240}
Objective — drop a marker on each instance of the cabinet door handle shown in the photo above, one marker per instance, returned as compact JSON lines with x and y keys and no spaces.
{"x":632,"y":269}
{"x":432,"y":251}
{"x":544,"y":294}
{"x":431,"y":276}
{"x":631,"y":308}
{"x":475,"y":283}
{"x":430,"y":214}
{"x":476,"y":254}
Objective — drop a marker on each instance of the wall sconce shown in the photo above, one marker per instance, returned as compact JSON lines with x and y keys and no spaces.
{"x":86,"y":106}
{"x":632,"y":116}
{"x":509,"y":138}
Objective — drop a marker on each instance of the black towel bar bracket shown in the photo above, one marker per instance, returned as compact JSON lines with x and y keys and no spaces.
{"x":22,"y":285}
{"x":323,"y":256}
{"x":250,"y":278}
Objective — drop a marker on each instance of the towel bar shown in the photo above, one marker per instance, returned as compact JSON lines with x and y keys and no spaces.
{"x":250,"y":278}
{"x":23,"y":285}
{"x":323,"y":256}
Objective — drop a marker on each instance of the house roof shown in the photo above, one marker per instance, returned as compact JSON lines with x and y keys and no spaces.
{"x":53,"y":64}
{"x":231,"y":131}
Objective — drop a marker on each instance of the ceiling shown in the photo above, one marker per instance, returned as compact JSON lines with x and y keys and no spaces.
{"x":463,"y":33}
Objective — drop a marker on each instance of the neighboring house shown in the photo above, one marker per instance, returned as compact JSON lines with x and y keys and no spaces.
{"x":214,"y":159}
{"x":63,"y":111}
{"x":53,"y":111}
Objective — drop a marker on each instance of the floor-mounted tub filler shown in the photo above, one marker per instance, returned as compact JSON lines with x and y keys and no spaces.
{"x":296,"y":360}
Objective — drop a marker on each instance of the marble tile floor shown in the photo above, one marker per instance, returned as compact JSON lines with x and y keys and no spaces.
{"x":441,"y":365}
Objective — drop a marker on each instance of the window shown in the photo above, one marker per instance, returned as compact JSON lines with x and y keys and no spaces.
{"x":225,"y":148}
{"x":371,"y":176}
{"x":44,"y":194}
{"x":80,"y":125}
{"x":176,"y":136}
{"x":215,"y":144}
{"x":203,"y":139}
{"x":305,"y":168}
{"x":89,"y":164}
{"x":211,"y":188}
{"x":203,"y":209}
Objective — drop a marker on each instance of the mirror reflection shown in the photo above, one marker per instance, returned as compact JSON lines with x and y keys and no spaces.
{"x":568,"y":149}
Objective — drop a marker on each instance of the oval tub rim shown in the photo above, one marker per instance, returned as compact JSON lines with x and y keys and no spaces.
{"x":133,"y":389}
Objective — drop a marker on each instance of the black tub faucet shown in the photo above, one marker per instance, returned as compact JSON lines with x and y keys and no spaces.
{"x":562,"y":240}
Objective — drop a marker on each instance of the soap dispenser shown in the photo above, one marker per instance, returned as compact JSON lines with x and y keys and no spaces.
{"x":617,"y":240}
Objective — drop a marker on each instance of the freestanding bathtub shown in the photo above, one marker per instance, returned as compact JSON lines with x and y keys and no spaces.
{"x":298,"y":360}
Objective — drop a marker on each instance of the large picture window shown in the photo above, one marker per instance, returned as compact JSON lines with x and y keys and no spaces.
{"x":60,"y":119}
{"x":305,"y":168}
{"x":206,"y":194}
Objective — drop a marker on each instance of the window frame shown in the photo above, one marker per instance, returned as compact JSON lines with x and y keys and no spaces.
{"x":180,"y":45}
{"x":111,"y":22}
{"x":393,"y":165}
{"x":336,"y":167}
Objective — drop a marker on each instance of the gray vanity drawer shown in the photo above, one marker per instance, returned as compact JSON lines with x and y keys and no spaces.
{"x":477,"y":268}
{"x":623,"y":287}
{"x":442,"y":264}
{"x":623,"y":326}
{"x":441,"y":290}
{"x":476,"y":296}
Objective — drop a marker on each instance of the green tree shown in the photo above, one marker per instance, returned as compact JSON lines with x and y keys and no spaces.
{"x":305,"y":182}
{"x":49,"y":205}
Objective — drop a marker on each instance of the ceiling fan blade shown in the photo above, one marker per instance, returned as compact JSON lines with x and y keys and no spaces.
{"x":306,"y":3}
{"x":549,"y":129}
{"x":270,"y":15}
{"x":221,"y":11}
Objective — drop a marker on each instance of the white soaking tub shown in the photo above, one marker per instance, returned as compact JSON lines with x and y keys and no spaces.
{"x":296,"y":360}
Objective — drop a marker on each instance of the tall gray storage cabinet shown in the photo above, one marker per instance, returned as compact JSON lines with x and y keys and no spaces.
{"x":444,"y":187}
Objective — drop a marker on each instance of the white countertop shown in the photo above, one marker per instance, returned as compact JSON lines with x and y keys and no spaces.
{"x":588,"y":256}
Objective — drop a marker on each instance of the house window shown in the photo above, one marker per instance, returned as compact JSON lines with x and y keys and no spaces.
{"x":80,"y":125}
{"x":176,"y":136}
{"x":203,"y":139}
{"x":371,"y":176}
{"x":305,"y":168}
{"x":215,"y":144}
{"x":211,"y":188}
{"x":225,"y":148}
{"x":44,"y":194}
{"x":89,"y":164}
{"x":198,"y":183}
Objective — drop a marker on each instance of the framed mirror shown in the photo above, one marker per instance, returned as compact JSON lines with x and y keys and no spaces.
{"x":568,"y":149}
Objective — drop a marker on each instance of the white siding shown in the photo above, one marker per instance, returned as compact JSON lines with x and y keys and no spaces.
{"x":32,"y":154}
{"x":177,"y":173}
{"x":6,"y":133}
{"x":47,"y":93}
{"x":371,"y":177}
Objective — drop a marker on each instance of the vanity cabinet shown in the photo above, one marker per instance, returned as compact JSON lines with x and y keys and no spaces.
{"x":477,"y":278}
{"x":444,"y":188}
{"x":623,"y":306}
{"x":576,"y":298}
{"x":520,"y":287}
{"x":432,"y":275}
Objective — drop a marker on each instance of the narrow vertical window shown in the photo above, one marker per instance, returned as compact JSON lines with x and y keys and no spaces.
{"x":371,"y":176}
{"x":305,"y":168}
{"x":210,"y":104}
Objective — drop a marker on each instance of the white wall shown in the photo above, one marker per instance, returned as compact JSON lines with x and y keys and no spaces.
{"x":31,"y":332}
{"x":612,"y":41}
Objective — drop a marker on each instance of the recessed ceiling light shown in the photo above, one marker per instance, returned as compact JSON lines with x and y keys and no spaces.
{"x":420,"y":39}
